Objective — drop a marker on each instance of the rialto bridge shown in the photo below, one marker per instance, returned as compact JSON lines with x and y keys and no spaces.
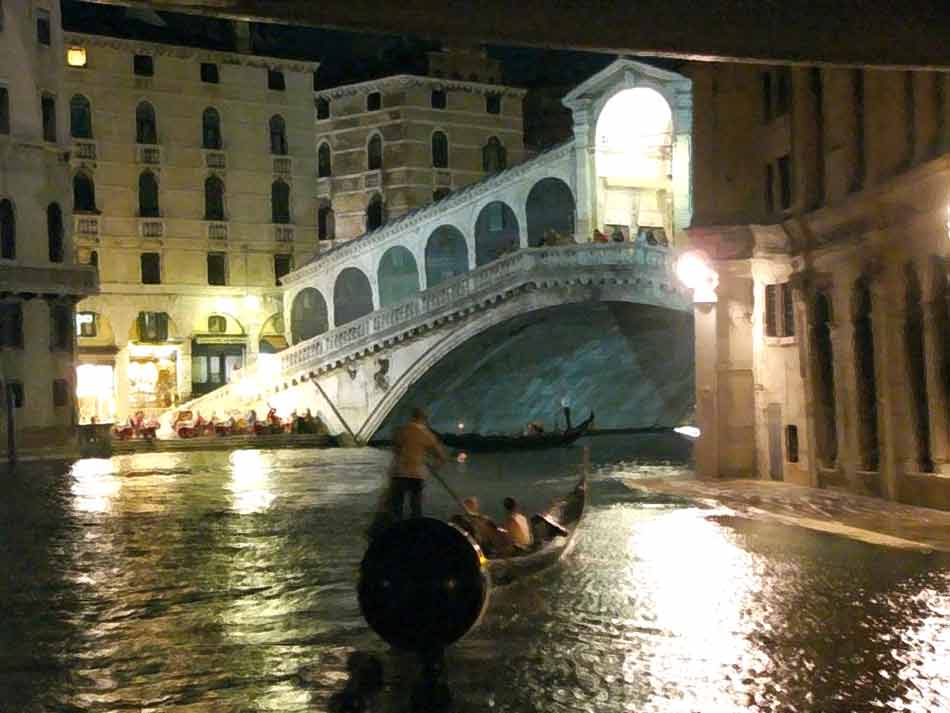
{"x":594,"y":220}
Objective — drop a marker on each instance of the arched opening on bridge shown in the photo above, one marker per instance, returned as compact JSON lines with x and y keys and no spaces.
{"x":398,"y":276}
{"x":308,"y":315}
{"x":867,"y":379}
{"x":272,"y":339}
{"x":352,"y":296}
{"x":446,"y":255}
{"x":496,"y":232}
{"x":634,"y":164}
{"x":550,"y":208}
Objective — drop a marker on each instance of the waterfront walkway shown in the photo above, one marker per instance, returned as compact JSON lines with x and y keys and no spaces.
{"x":872,"y":520}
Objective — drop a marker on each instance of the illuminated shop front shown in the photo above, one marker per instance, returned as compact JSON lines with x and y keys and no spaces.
{"x":153,"y":376}
{"x":95,"y":393}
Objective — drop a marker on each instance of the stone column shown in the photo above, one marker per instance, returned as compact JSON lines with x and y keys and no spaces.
{"x":584,"y":166}
{"x":682,"y":158}
{"x":122,"y":382}
{"x":845,"y":376}
{"x":706,"y":451}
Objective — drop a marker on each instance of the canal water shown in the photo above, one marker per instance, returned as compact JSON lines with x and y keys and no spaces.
{"x":226,"y":582}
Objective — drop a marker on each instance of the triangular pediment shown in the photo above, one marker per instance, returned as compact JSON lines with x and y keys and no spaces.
{"x":618,"y":73}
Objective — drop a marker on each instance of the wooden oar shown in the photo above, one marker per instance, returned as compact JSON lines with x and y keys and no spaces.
{"x":455,"y":497}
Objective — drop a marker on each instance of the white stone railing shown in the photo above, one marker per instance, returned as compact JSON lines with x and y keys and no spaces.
{"x":542,"y":267}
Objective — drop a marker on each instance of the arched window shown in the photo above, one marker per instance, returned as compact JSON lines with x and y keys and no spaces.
{"x":80,"y":118}
{"x":211,"y":129}
{"x":146,"y":131}
{"x":446,"y":255}
{"x":323,"y":109}
{"x":494,"y":156}
{"x":48,"y":108}
{"x":352,"y":296}
{"x":324,"y":165}
{"x":280,"y":202}
{"x":54,"y":231}
{"x":7,"y":230}
{"x":374,"y":213}
{"x":214,"y":198}
{"x":325,"y":223}
{"x":438,"y":99}
{"x":309,"y":316}
{"x":440,"y":150}
{"x":84,"y":194}
{"x":398,"y":276}
{"x":374,"y":158}
{"x":148,"y":195}
{"x":278,"y":136}
{"x":550,"y":208}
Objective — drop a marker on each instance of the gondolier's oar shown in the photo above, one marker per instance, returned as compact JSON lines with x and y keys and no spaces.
{"x":455,"y":497}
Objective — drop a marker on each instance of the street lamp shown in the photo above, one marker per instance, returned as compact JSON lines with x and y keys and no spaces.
{"x":693,"y":269}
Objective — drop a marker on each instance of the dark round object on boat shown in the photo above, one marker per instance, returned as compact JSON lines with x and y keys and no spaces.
{"x":423,"y":585}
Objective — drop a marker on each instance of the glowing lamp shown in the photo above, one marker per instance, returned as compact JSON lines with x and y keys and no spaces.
{"x":693,"y":269}
{"x":76,"y":56}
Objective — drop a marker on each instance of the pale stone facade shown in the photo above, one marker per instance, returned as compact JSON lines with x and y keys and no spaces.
{"x":822,"y":199}
{"x":202,"y":164}
{"x":480,"y":125}
{"x":39,"y":282}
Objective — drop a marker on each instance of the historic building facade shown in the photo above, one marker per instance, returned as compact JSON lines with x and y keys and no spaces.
{"x":388,"y":146}
{"x":39,"y":281}
{"x":191,"y":174}
{"x":821,"y":200}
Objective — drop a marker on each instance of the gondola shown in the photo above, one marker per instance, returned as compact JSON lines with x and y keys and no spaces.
{"x":555,"y":532}
{"x":478,"y":442}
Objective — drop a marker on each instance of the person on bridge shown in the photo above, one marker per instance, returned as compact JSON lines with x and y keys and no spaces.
{"x":412,"y":443}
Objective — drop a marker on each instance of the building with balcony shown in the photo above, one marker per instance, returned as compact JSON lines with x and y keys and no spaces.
{"x":39,"y":280}
{"x":821,"y":200}
{"x":190,"y":176}
{"x":388,"y":146}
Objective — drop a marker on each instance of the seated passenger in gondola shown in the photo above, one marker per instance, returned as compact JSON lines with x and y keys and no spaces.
{"x":493,"y":541}
{"x":534,"y":428}
{"x":516,"y":525}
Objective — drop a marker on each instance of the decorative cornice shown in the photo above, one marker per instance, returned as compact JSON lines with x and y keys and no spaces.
{"x":198,"y":54}
{"x":469,"y":194}
{"x":402,"y":81}
{"x":630,"y":71}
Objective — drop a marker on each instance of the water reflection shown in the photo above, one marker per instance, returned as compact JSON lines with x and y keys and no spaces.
{"x":250,"y":482}
{"x":95,"y":485}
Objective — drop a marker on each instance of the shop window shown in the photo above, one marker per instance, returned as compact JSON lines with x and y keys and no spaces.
{"x":61,"y":328}
{"x":278,"y":135}
{"x":146,"y":128}
{"x":148,"y":195}
{"x":283,"y":264}
{"x":438,"y":99}
{"x":440,"y":150}
{"x":275,"y":80}
{"x":280,"y":202}
{"x":791,"y":443}
{"x":214,"y":198}
{"x":325,"y":223}
{"x":374,"y":157}
{"x":54,"y":231}
{"x":324,"y":162}
{"x":209,"y":73}
{"x":217,"y":324}
{"x":48,"y":106}
{"x":142,"y":65}
{"x":211,"y":129}
{"x":11,"y":325}
{"x":60,"y":392}
{"x":217,"y":269}
{"x":80,"y":117}
{"x":4,"y":111}
{"x":779,"y":311}
{"x":153,"y":326}
{"x":15,"y":389}
{"x":86,"y":324}
{"x":43,"y":27}
{"x":493,"y":103}
{"x":151,"y":268}
{"x":374,"y":101}
{"x":323,"y":109}
{"x":7,"y":230}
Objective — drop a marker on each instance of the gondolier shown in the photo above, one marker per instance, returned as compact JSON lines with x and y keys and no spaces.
{"x":412,"y":444}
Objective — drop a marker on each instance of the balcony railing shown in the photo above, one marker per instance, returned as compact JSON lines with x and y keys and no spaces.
{"x":283,"y":165}
{"x":84,"y":150}
{"x":217,"y":231}
{"x":149,"y":154}
{"x":325,"y":187}
{"x":151,"y":228}
{"x":216,"y":159}
{"x":284,"y":233}
{"x":373,"y":179}
{"x":442,"y":178}
{"x":86,"y":225}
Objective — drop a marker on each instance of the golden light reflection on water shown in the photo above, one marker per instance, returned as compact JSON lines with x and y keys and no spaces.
{"x":705,"y":629}
{"x":250,"y":482}
{"x":927,"y":656}
{"x":96,"y":484}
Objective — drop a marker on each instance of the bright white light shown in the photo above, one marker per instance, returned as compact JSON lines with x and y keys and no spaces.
{"x":250,"y":482}
{"x":461,"y":425}
{"x":688,"y":431}
{"x":95,"y":484}
{"x":223,"y":304}
{"x":694,"y":270}
{"x":152,"y":350}
{"x":94,"y":380}
{"x":76,"y":56}
{"x":252,"y":301}
{"x":634,"y":135}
